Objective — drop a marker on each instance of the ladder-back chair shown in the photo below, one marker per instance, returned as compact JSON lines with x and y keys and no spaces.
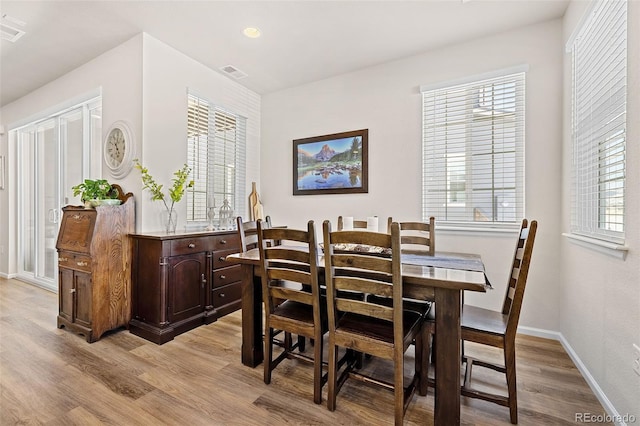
{"x":367,"y":327}
{"x":289,"y":308}
{"x":498,"y":329}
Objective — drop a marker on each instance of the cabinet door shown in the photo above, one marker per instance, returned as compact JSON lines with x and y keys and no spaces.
{"x":83,"y":298}
{"x":65,"y":293}
{"x":187,"y":282}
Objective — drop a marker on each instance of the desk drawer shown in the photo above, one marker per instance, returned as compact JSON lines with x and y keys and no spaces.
{"x":219,"y":258}
{"x":226,"y":295}
{"x":224,"y":276}
{"x":191,"y":245}
{"x":74,"y":261}
{"x":226,"y":242}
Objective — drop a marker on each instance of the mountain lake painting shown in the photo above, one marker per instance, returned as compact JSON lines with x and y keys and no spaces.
{"x":331,"y":164}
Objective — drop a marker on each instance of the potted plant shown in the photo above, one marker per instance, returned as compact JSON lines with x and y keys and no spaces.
{"x":96,"y":192}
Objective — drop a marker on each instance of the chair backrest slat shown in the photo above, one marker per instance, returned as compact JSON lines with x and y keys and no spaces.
{"x":519,"y":273}
{"x":357,"y":224}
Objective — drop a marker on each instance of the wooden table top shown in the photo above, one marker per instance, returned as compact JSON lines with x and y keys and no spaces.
{"x":462,"y":271}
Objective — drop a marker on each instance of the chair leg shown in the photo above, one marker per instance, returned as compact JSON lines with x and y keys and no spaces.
{"x":317,"y":370}
{"x":333,"y":373}
{"x":301,"y":343}
{"x":422,"y":360}
{"x":467,"y":370}
{"x":398,"y":390}
{"x":510,"y":366}
{"x":268,"y":354}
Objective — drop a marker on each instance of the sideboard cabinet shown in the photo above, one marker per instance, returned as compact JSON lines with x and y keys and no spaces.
{"x":181,"y":281}
{"x":94,"y":263}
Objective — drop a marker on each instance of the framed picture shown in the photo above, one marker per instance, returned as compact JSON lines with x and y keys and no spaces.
{"x":331,"y":164}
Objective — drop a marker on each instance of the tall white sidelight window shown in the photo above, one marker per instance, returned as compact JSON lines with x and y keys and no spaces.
{"x":217,"y":157}
{"x":473,"y":151}
{"x":599,"y":101}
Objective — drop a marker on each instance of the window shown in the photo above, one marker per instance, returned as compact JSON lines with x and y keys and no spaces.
{"x":473,"y":152}
{"x":599,"y":53}
{"x":216,"y":155}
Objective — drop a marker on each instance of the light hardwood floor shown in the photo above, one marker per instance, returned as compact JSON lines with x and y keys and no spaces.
{"x":52,"y":376}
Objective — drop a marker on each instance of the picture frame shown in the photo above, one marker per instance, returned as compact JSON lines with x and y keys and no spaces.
{"x":331,"y":164}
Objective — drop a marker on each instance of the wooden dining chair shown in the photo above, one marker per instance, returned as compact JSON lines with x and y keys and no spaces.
{"x":419,"y":236}
{"x":294,"y":310}
{"x":367,"y":327}
{"x":248,"y":232}
{"x":357,"y":223}
{"x":498,"y":329}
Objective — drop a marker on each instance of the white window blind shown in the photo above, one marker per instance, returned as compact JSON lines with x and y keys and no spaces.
{"x":473,"y":152}
{"x":217,"y":157}
{"x":599,"y":54}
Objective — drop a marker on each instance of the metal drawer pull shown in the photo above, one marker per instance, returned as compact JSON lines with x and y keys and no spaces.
{"x":192,"y":245}
{"x":223,"y":241}
{"x":221,"y":295}
{"x":73,"y":290}
{"x":221,"y":258}
{"x":81,"y":263}
{"x":63,"y":259}
{"x":222,"y":277}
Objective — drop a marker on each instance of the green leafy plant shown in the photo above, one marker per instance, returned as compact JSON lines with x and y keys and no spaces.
{"x":99,"y":189}
{"x":180,"y":184}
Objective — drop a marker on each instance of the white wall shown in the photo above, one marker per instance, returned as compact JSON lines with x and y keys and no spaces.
{"x":600,"y":317}
{"x":143,"y":82}
{"x":117,"y":73}
{"x":167,"y":74}
{"x":386,"y":100}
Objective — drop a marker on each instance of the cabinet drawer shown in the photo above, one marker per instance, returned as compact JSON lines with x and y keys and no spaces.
{"x":227,"y":294}
{"x":74,"y":261}
{"x":226,"y":242}
{"x":219,"y":258}
{"x":191,"y":245}
{"x":224,"y":276}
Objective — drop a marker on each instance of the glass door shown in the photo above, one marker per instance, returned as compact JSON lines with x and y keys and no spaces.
{"x":54,"y":154}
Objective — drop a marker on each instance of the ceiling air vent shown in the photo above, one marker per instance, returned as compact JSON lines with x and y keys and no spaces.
{"x":10,"y":28}
{"x":232,"y":71}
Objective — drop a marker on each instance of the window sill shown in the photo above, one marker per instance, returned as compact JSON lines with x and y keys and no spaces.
{"x":612,"y":249}
{"x":477,"y":230}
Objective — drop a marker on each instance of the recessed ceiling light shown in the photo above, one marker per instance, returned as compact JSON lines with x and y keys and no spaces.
{"x":251,"y":32}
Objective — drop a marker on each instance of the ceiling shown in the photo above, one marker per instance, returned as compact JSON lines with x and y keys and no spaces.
{"x":302,"y":41}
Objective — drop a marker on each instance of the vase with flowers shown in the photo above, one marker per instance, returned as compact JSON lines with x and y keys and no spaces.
{"x":180,"y":184}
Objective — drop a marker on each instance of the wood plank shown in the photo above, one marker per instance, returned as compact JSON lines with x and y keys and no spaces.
{"x":55,"y":377}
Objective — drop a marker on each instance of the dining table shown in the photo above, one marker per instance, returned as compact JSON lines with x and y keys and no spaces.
{"x":440,"y":278}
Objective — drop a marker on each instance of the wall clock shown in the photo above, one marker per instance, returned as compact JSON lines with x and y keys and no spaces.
{"x":119,"y":149}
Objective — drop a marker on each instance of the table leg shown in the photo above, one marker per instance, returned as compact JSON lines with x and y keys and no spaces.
{"x":447,"y":393}
{"x":252,"y":346}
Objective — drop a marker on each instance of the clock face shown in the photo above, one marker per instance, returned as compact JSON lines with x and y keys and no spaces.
{"x":119,"y":149}
{"x":116,"y":147}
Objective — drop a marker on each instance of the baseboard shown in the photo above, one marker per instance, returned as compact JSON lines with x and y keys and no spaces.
{"x":611,"y":411}
{"x":7,"y":276}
